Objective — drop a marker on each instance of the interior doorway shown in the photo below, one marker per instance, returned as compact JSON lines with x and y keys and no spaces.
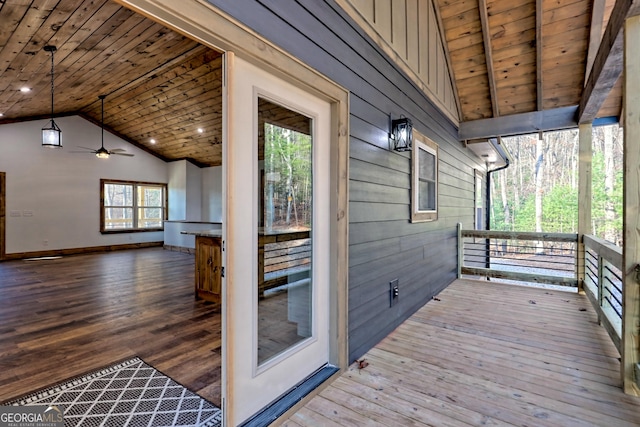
{"x":244,"y":366}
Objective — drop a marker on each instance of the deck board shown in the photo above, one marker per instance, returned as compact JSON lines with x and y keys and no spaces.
{"x":484,"y":353}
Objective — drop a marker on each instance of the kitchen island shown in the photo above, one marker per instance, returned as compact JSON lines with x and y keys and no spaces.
{"x":208,"y":278}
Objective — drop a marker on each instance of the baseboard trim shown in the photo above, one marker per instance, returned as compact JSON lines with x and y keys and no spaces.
{"x":78,"y":251}
{"x":182,"y":249}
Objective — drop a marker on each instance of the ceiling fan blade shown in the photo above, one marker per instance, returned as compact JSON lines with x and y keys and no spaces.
{"x":84,"y":152}
{"x":121,"y":154}
{"x":87,"y":148}
{"x":116,"y":150}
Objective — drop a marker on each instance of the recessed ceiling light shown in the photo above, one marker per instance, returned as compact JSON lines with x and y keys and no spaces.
{"x":200,"y":130}
{"x":153,"y":141}
{"x":1,"y":114}
{"x":25,"y":89}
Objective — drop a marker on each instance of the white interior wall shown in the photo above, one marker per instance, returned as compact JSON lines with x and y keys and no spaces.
{"x":53,"y":195}
{"x":212,"y":194}
{"x":194,"y":193}
{"x":177,"y":190}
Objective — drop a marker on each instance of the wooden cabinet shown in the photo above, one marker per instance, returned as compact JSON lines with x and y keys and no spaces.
{"x":209,"y":268}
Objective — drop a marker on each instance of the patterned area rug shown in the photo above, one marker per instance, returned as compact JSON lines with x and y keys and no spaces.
{"x":127,"y":394}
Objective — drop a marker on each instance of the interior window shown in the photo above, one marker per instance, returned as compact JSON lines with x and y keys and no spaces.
{"x":132,"y":206}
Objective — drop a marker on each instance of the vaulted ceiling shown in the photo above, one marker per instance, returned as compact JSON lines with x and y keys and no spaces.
{"x":508,"y":58}
{"x":163,"y":90}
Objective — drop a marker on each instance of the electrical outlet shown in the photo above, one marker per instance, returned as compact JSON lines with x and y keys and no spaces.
{"x":393,"y":292}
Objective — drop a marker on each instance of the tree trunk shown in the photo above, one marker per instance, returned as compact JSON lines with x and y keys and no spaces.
{"x":539,"y":174}
{"x":609,"y":180}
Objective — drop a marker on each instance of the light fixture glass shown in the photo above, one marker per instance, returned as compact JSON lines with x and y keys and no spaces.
{"x":402,"y":134}
{"x":25,"y":89}
{"x":51,"y":134}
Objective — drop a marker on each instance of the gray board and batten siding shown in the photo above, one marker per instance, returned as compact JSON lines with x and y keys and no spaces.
{"x":383,"y":244}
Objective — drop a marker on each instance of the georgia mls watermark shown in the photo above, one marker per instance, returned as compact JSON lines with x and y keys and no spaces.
{"x":32,"y":416}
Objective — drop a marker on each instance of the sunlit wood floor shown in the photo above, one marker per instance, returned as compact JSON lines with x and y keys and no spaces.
{"x":65,"y":317}
{"x":484,"y":354}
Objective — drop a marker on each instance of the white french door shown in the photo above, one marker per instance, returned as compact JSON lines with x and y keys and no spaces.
{"x":276,"y":172}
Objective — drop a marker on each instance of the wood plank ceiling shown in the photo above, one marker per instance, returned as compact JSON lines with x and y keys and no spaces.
{"x":507,"y":57}
{"x":522,"y":56}
{"x":158,"y":84}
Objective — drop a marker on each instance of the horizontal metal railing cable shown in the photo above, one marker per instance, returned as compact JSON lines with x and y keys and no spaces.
{"x":603,"y":262}
{"x":515,"y":256}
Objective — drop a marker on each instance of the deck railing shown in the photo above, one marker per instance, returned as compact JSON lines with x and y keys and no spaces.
{"x":603,"y":284}
{"x":549,"y":258}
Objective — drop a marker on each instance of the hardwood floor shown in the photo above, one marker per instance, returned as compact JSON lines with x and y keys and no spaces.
{"x":64,"y":317}
{"x":484,"y":354}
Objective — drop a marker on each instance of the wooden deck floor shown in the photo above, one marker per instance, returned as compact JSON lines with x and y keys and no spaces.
{"x":484,"y":354}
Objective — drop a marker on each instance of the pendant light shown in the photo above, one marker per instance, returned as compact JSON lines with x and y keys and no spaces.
{"x":51,"y":134}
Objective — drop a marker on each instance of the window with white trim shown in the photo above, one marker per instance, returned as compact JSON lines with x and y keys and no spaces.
{"x":424,"y":179}
{"x":132,"y":206}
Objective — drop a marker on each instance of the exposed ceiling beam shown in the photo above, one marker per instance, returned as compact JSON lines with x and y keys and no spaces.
{"x":608,"y":63}
{"x":518,"y":124}
{"x":539,"y":94}
{"x":488,"y":53}
{"x":597,"y":20}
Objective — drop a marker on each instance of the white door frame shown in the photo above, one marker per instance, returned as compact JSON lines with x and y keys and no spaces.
{"x":206,"y":24}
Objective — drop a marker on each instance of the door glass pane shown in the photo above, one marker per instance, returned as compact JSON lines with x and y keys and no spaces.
{"x":284,"y":229}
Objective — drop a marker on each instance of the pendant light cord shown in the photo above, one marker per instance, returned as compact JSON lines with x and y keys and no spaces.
{"x":52,"y":51}
{"x":102,"y":121}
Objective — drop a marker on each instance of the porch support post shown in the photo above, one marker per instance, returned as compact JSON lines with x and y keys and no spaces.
{"x":584,"y":196}
{"x":631,"y":222}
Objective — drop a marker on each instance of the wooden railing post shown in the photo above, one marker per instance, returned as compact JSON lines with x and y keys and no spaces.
{"x":460,"y":250}
{"x":585,"y":155}
{"x":631,"y":222}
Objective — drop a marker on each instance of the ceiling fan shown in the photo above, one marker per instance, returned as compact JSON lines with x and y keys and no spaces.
{"x":102,"y":152}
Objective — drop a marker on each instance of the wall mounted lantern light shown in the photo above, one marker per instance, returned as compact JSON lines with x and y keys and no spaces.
{"x":401,"y":134}
{"x":51,"y":134}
